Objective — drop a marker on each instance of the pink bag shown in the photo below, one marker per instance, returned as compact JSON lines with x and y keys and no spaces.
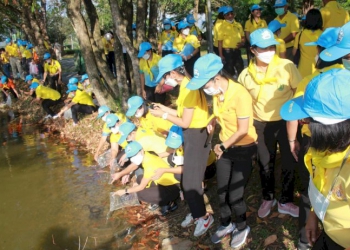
{"x":33,"y":69}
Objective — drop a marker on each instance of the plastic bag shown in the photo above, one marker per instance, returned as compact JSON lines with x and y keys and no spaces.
{"x":9,"y":101}
{"x":33,"y":69}
{"x":118,"y":202}
{"x":104,"y":159}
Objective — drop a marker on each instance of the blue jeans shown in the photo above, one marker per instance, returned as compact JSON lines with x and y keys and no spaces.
{"x":7,"y":69}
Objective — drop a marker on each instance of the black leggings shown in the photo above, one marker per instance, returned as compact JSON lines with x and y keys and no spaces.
{"x":48,"y":103}
{"x":269,"y":133}
{"x":232,"y":173}
{"x":190,"y":63}
{"x":54,"y":84}
{"x":81,"y":108}
{"x":233,"y":61}
{"x":324,"y":242}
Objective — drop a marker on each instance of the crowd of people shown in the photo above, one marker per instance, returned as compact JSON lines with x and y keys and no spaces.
{"x":292,"y":98}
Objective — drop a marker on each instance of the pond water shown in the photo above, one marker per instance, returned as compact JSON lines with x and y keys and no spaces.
{"x":48,"y":190}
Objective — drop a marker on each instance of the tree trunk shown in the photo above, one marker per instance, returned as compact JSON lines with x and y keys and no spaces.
{"x":103,"y":96}
{"x":121,"y":76}
{"x":120,"y":31}
{"x":195,"y":9}
{"x":141,"y":22}
{"x":152,"y":26}
{"x":43,"y":12}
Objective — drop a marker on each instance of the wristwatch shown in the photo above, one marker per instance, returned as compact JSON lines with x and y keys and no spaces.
{"x":222,"y":148}
{"x":165,"y":116}
{"x":126,"y":191}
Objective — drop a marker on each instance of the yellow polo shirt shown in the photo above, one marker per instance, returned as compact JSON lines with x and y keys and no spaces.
{"x":104,"y":43}
{"x":193,"y":99}
{"x":236,"y":103}
{"x":272,"y":95}
{"x":252,"y":25}
{"x":230,"y":33}
{"x":333,"y":15}
{"x":180,"y":42}
{"x":307,"y":63}
{"x":215,"y":31}
{"x":105,"y":130}
{"x":281,"y":47}
{"x":22,"y":49}
{"x":302,"y":87}
{"x":5,"y":58}
{"x":150,"y":69}
{"x":27,"y":54}
{"x":46,"y":93}
{"x":157,"y":124}
{"x":53,"y":67}
{"x":81,"y":97}
{"x":292,"y":23}
{"x":194,"y":30}
{"x":150,"y":164}
{"x":166,"y":39}
{"x":115,"y":139}
{"x":47,"y":45}
{"x":12,"y":50}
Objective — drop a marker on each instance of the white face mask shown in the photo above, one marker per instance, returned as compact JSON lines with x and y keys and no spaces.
{"x":229,"y":21}
{"x":138,"y":113}
{"x":211,"y":91}
{"x":115,"y":130}
{"x":137,"y":159}
{"x":316,"y":58}
{"x":171,"y":82}
{"x":104,"y":118}
{"x":265,"y":57}
{"x":186,"y":31}
{"x":146,"y":56}
{"x":178,"y":159}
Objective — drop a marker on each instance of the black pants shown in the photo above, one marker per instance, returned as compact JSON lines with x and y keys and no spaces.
{"x":158,"y":194}
{"x":166,"y":52}
{"x":216,"y":50}
{"x":47,"y":104}
{"x":81,"y":108}
{"x":154,"y":97}
{"x":54,"y":84}
{"x":232,"y":173}
{"x":233,"y":61}
{"x":190,"y":63}
{"x":111,"y":62}
{"x":195,"y":162}
{"x":304,"y":176}
{"x":324,"y":242}
{"x":269,"y":133}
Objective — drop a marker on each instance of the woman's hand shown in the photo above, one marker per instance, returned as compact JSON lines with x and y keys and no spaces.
{"x":115,"y":177}
{"x":211,"y":125}
{"x":157,"y":112}
{"x":311,"y":228}
{"x":294,"y":148}
{"x":157,"y":174}
{"x":119,"y":192}
{"x":144,"y":95}
{"x":218,"y":151}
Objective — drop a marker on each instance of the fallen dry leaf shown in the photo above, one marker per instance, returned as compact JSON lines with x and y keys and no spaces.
{"x":260,"y":221}
{"x":203,"y":246}
{"x":274,"y":214}
{"x":269,"y":240}
{"x":252,"y":209}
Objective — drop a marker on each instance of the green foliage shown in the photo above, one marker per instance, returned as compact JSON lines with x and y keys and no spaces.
{"x":104,"y":14}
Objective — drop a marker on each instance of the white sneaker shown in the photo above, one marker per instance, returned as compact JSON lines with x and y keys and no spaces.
{"x":188,"y":221}
{"x":55,"y":117}
{"x":203,"y":225}
{"x":47,"y":117}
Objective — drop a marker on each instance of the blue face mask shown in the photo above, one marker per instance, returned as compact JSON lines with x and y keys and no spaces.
{"x":346,"y":63}
{"x":279,"y":11}
{"x":167,"y":26}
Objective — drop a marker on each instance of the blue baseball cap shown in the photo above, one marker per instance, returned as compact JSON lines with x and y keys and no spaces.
{"x":341,"y":48}
{"x":327,"y":39}
{"x":7,"y":40}
{"x":175,"y":137}
{"x":28,"y":78}
{"x":29,"y":46}
{"x":111,"y":120}
{"x":190,"y":19}
{"x":134,"y":103}
{"x":125,"y":129}
{"x":47,"y":55}
{"x":73,"y":80}
{"x":181,"y":25}
{"x":228,"y":9}
{"x":280,"y":3}
{"x":222,"y":9}
{"x":256,"y":7}
{"x":275,"y":25}
{"x":84,"y":77}
{"x":34,"y":85}
{"x":168,"y":63}
{"x":19,"y":42}
{"x":102,"y":111}
{"x":132,"y":149}
{"x":144,"y":46}
{"x":71,"y":88}
{"x":166,"y":21}
{"x":133,"y":26}
{"x":3,"y":79}
{"x":262,"y":38}
{"x":205,"y":68}
{"x":326,"y":99}
{"x":24,"y":43}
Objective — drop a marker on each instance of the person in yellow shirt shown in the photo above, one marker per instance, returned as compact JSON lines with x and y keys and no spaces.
{"x":271,"y":81}
{"x":275,"y":27}
{"x":191,"y":115}
{"x":333,"y":15}
{"x":14,"y":53}
{"x":81,"y":103}
{"x":194,"y":30}
{"x":187,"y":46}
{"x":149,"y":72}
{"x":163,"y":191}
{"x":47,"y":97}
{"x":327,"y":39}
{"x":233,"y":110}
{"x":230,"y":41}
{"x":289,"y":32}
{"x":311,"y":32}
{"x":325,"y":104}
{"x":52,"y":68}
{"x":29,"y":80}
{"x":166,"y":39}
{"x":217,"y":23}
{"x":109,"y":46}
{"x":253,"y":23}
{"x":5,"y":62}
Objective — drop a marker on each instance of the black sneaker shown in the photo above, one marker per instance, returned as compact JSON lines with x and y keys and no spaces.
{"x":172,"y":206}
